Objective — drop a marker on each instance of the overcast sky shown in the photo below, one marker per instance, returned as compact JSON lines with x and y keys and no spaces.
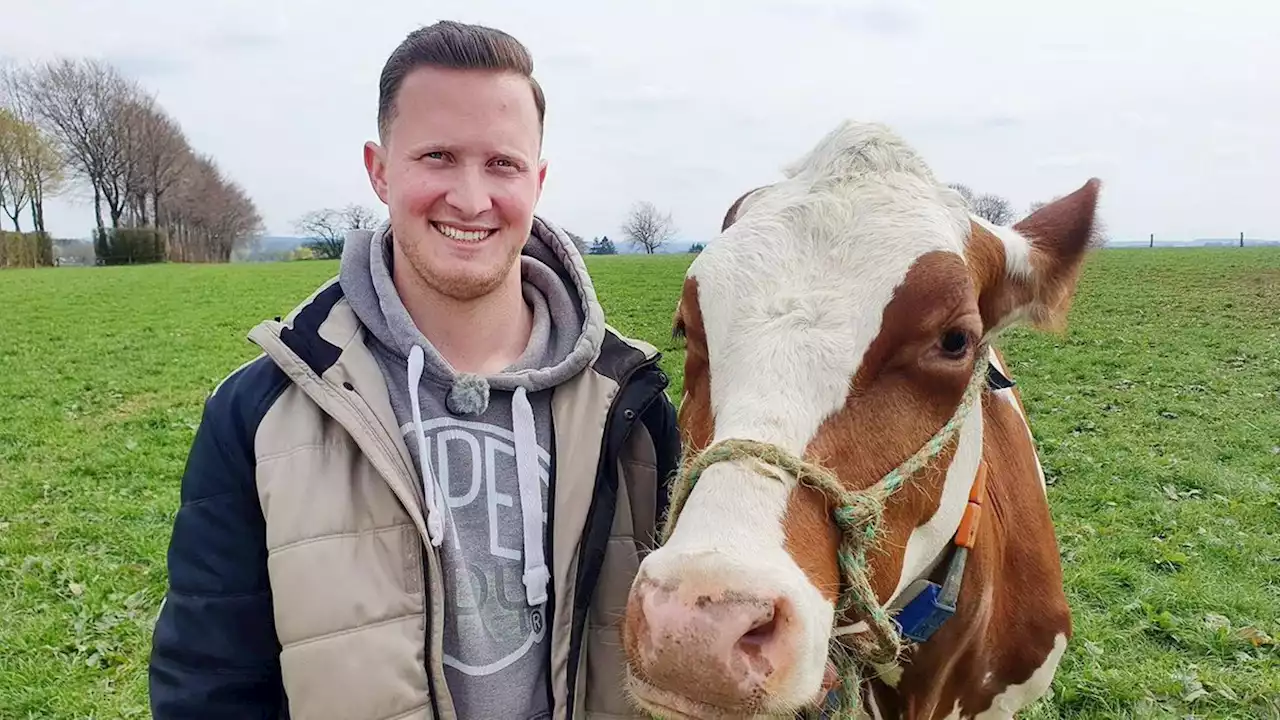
{"x":687,"y":104}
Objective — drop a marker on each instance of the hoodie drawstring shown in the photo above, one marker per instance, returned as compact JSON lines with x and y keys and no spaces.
{"x":536,"y":574}
{"x":435,"y":522}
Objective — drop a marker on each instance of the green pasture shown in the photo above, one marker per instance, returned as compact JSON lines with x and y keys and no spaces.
{"x":1157,"y":413}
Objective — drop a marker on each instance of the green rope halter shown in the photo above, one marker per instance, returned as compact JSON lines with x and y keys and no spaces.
{"x":856,"y":514}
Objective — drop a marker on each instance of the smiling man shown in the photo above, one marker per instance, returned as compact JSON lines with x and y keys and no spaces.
{"x":429,"y":495}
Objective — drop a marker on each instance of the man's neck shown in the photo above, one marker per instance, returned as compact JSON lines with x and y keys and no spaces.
{"x":481,"y":336}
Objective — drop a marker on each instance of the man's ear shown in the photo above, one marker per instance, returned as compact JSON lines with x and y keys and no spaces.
{"x":1028,"y":272}
{"x":375,"y":165}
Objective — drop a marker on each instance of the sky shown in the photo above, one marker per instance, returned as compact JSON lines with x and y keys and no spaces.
{"x":688,"y":104}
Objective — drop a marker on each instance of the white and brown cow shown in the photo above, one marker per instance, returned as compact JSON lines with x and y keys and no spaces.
{"x":839,"y":317}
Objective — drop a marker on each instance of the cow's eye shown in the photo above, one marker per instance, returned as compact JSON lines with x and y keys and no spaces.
{"x":954,"y":343}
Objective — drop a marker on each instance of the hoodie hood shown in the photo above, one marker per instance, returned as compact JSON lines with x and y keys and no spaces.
{"x":568,"y":323}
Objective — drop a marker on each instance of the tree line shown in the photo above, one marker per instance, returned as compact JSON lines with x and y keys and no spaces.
{"x":69,"y":123}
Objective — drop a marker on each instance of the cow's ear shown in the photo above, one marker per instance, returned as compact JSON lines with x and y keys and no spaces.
{"x":738,"y":207}
{"x":1027,"y":273}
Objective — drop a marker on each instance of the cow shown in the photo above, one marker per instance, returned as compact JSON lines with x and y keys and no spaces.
{"x":861,"y":527}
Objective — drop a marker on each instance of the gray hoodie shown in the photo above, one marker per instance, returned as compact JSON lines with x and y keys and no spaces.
{"x":483,"y":445}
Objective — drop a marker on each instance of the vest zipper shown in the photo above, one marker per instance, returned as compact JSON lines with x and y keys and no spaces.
{"x":611,"y":419}
{"x":428,"y":596}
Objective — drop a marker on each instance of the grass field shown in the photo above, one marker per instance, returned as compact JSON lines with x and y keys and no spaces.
{"x":1157,"y":414}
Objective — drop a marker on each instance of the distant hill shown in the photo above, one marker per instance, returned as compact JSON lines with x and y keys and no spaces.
{"x":269,"y":248}
{"x":1196,"y":242}
{"x":675,"y":247}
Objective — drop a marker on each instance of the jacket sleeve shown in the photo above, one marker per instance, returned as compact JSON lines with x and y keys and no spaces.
{"x":214,"y":649}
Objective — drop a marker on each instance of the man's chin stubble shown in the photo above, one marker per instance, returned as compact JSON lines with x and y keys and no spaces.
{"x":460,"y":288}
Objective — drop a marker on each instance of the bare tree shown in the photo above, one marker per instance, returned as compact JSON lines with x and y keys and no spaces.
{"x":997,"y":210}
{"x":92,"y":122}
{"x":1037,"y":204}
{"x":81,"y":103}
{"x":158,"y":153}
{"x":966,"y":193}
{"x":989,"y":206}
{"x":14,"y":136}
{"x":208,"y":216}
{"x":359,"y":217}
{"x":42,"y":171}
{"x":646,"y":228}
{"x":326,"y":229}
{"x":578,"y":242}
{"x":42,"y":167}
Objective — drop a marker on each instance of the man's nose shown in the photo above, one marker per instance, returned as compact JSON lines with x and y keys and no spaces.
{"x":470,"y":193}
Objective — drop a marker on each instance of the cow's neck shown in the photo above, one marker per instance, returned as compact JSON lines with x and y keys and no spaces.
{"x":929,"y":545}
{"x":927,"y":678}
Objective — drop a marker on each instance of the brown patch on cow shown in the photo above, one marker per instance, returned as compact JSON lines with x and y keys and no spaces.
{"x":998,"y":294}
{"x":812,"y":539}
{"x":694,"y":416}
{"x":732,"y":213}
{"x":903,"y":392}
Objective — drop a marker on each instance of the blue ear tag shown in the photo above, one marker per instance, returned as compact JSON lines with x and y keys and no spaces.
{"x":924,"y":614}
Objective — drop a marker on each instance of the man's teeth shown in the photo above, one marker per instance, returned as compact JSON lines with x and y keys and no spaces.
{"x":463,"y":235}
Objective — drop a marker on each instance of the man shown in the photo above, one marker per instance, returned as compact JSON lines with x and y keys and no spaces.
{"x":430,"y":494}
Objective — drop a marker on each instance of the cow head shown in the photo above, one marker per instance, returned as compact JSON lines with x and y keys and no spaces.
{"x":839,"y":317}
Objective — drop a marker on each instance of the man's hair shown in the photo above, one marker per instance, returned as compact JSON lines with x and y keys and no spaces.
{"x":457,"y":46}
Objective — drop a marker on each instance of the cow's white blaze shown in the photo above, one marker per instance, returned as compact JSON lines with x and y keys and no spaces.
{"x":791,"y":297}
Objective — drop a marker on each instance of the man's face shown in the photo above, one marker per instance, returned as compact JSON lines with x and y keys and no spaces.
{"x":460,"y":174}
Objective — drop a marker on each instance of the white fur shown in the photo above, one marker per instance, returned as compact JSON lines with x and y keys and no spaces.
{"x":791,"y":297}
{"x":928,"y":542}
{"x":730,"y":534}
{"x":1016,"y":697}
{"x":1017,"y":249}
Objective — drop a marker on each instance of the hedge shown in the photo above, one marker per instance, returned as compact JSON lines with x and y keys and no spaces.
{"x":25,"y":250}
{"x":129,"y":246}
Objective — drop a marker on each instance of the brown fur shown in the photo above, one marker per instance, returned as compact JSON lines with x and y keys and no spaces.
{"x":1012,"y":603}
{"x":903,"y":392}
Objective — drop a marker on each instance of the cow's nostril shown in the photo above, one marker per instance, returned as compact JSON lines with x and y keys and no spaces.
{"x":759,"y":642}
{"x":762,"y":629}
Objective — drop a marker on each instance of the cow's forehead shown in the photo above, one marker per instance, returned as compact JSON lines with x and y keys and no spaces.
{"x":793,"y":293}
{"x":853,"y":213}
